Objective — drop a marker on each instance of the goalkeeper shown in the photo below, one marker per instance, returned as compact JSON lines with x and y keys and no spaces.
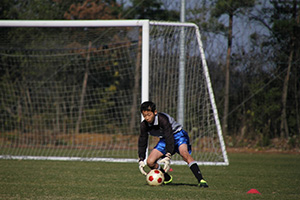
{"x":173,"y":139}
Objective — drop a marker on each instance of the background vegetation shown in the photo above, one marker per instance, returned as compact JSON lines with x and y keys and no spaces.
{"x":252,"y":51}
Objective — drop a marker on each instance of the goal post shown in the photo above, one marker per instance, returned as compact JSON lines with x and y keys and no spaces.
{"x":71,"y":89}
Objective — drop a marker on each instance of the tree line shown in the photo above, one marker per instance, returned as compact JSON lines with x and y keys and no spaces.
{"x":256,"y":79}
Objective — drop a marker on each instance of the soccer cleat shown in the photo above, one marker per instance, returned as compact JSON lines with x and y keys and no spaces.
{"x":168,"y":179}
{"x":203,"y":183}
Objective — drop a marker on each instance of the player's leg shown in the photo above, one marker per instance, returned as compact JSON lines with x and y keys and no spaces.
{"x":154,"y":156}
{"x":186,"y":156}
{"x":183,"y":151}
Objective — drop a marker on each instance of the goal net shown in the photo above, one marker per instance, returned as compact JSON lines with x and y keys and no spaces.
{"x":71,"y":90}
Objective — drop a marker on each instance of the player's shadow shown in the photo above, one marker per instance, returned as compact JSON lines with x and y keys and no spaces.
{"x":182,"y":184}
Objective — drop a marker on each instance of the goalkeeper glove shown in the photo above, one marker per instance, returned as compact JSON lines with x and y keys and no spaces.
{"x":141,"y":167}
{"x":166,"y":161}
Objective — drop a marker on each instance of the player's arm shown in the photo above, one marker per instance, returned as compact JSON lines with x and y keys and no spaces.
{"x":142,"y":146}
{"x":168,"y":133}
{"x":142,"y":142}
{"x":169,"y":138}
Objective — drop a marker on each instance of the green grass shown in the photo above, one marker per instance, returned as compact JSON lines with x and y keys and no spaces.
{"x":276,"y":176}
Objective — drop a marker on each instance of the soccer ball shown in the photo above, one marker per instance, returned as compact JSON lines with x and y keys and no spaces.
{"x":155,"y":177}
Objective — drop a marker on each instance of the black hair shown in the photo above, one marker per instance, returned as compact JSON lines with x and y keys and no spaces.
{"x":148,"y":106}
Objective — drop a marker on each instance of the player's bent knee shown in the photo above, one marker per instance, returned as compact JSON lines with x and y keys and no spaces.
{"x":151,"y":163}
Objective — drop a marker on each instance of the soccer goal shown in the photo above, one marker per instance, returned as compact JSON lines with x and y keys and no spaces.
{"x":71,"y":90}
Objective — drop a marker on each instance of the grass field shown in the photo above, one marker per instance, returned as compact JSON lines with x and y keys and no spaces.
{"x":275,"y":176}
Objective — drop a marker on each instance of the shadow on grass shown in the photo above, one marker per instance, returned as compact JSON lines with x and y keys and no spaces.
{"x":182,"y":184}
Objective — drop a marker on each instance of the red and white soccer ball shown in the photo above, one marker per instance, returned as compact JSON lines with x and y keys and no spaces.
{"x":155,"y":177}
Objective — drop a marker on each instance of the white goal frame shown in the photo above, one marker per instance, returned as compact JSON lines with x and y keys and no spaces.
{"x":145,"y":24}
